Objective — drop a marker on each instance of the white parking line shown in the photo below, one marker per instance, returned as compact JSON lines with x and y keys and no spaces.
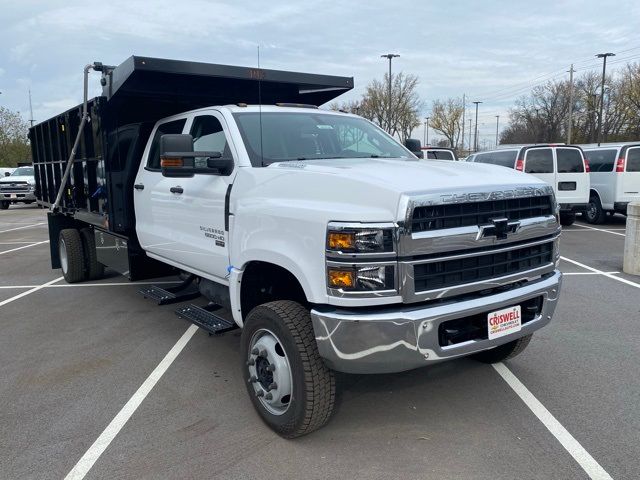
{"x":20,"y":228}
{"x":25,"y":246}
{"x":28,"y":292}
{"x":570,"y":444}
{"x":599,"y":229}
{"x":600,"y":272}
{"x":574,"y":273}
{"x":90,"y":457}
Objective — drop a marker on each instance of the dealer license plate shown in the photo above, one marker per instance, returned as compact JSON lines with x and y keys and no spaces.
{"x":13,"y":195}
{"x":503,"y":322}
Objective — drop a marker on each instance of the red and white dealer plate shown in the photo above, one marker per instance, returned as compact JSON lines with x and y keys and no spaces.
{"x":503,"y":322}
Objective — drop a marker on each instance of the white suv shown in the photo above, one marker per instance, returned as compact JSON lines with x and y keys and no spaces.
{"x":615,"y":178}
{"x":561,"y":166}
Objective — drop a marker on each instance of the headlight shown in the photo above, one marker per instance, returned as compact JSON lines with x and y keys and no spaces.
{"x":354,"y":238}
{"x":361,"y":277}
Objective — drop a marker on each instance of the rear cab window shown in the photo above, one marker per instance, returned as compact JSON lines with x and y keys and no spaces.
{"x":174,"y":126}
{"x":602,"y":160}
{"x":538,"y":160}
{"x":570,"y":160}
{"x":504,"y":158}
{"x":439,"y":155}
{"x":633,"y":159}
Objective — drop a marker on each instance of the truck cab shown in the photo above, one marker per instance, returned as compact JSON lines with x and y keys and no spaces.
{"x":18,"y":187}
{"x":325,"y":240}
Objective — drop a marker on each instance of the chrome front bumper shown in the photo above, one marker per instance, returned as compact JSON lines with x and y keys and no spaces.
{"x":387,"y":340}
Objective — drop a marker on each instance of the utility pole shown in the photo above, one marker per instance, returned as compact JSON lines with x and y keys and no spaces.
{"x":469,"y":135}
{"x":464,"y":108}
{"x":604,"y":71}
{"x":497,"y":124}
{"x":426,"y":131}
{"x":570,"y":119}
{"x":389,"y":56}
{"x":31,"y":109}
{"x":475,"y":139}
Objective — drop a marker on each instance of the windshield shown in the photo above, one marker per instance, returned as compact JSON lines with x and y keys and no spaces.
{"x":289,"y":136}
{"x":23,"y":171}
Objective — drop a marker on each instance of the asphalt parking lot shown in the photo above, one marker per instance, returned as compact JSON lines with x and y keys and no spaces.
{"x":73,"y":358}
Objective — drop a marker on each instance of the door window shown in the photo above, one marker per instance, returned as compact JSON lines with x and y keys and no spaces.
{"x":208,"y":136}
{"x":175,"y":126}
{"x":439,"y":155}
{"x":504,"y":158}
{"x":633,"y":160}
{"x":602,"y":160}
{"x":539,"y":160}
{"x":569,"y":160}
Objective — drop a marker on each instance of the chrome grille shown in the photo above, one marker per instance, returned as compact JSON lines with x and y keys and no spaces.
{"x":439,"y":217}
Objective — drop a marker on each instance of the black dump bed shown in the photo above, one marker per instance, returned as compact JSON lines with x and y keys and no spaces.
{"x":136,"y":94}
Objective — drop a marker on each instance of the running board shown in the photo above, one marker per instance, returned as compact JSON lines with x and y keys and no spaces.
{"x":205,"y":318}
{"x":178,"y":293}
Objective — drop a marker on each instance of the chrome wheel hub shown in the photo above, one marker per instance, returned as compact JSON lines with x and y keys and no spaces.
{"x":64,"y":261}
{"x":270,"y":372}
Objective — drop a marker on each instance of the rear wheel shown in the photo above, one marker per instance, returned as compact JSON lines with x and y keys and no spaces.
{"x":503,"y":352}
{"x":595,"y":214}
{"x":288,"y":383}
{"x":567,"y":219}
{"x":4,"y":205}
{"x":72,"y":260}
{"x":95,"y":270}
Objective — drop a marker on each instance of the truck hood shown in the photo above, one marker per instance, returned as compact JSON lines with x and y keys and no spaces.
{"x":416,"y":176}
{"x":18,"y":178}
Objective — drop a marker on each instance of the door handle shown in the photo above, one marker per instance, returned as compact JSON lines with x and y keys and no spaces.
{"x":138,"y":186}
{"x":176,"y":190}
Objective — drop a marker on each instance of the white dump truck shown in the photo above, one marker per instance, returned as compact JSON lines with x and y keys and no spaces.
{"x":325,"y":240}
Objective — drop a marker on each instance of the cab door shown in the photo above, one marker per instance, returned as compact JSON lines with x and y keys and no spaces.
{"x":572,"y":178}
{"x":152,"y":197}
{"x":539,"y":162}
{"x":198,"y":221}
{"x":628,"y":188}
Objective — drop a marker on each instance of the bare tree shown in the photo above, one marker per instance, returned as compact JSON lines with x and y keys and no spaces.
{"x":14,"y":142}
{"x":446,"y":118}
{"x":405,"y":104}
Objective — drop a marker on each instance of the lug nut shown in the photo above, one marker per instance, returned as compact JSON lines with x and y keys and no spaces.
{"x":268,"y":396}
{"x":255,"y":351}
{"x":273,"y":386}
{"x":262,"y":353}
{"x":253,"y":379}
{"x":251,"y":362}
{"x":271,"y":368}
{"x":259,"y":393}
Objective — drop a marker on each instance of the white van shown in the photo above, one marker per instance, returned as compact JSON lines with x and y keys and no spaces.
{"x":561,"y":166}
{"x":615,"y":178}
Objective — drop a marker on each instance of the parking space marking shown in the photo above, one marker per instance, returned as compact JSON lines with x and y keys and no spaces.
{"x":109,"y":284}
{"x":599,"y":229}
{"x":606,"y":274}
{"x":581,"y":273}
{"x":20,"y":228}
{"x":570,"y":444}
{"x":25,"y":246}
{"x":90,"y":457}
{"x":28,"y":292}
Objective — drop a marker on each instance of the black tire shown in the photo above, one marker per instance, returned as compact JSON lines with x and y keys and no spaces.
{"x":70,"y":242}
{"x":313,"y":391}
{"x":4,"y":205}
{"x":567,"y":219}
{"x":95,"y":270}
{"x":595,"y":215}
{"x":503,"y":352}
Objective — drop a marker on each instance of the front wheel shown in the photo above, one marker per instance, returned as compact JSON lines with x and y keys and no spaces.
{"x":595,"y":214}
{"x":503,"y":352}
{"x":288,"y":383}
{"x":567,"y":219}
{"x":4,"y":205}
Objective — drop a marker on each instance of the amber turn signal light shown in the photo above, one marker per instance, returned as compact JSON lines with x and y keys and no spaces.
{"x":171,"y":162}
{"x":341,"y":241}
{"x":341,"y":278}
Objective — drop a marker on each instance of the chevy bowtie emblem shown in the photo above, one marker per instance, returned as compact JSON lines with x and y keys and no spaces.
{"x":499,"y":227}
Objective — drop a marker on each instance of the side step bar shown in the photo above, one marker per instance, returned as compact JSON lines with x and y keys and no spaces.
{"x":205,"y":318}
{"x":179,"y":293}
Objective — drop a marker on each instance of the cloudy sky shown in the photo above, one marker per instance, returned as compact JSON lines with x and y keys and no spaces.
{"x":491,"y":51}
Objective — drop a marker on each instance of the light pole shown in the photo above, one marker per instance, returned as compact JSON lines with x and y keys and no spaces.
{"x":497,"y":123}
{"x":604,"y":70}
{"x":475,"y":139}
{"x":389,"y":56}
{"x":426,"y":131}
